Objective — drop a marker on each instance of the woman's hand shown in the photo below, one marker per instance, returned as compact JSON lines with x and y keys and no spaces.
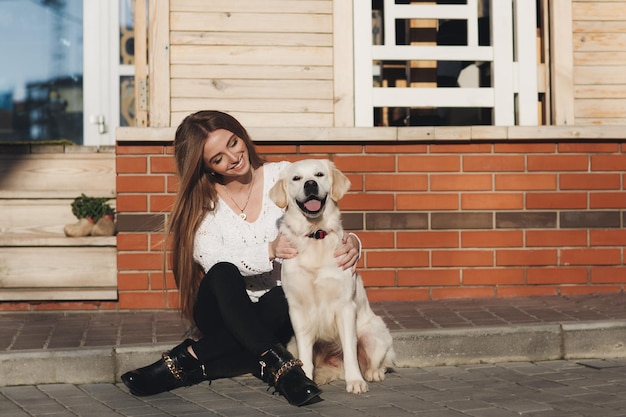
{"x":282,"y":248}
{"x":349,"y":253}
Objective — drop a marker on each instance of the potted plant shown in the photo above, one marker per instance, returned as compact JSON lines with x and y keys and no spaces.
{"x":95,"y":217}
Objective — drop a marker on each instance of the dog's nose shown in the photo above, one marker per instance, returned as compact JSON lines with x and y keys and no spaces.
{"x":310,"y":187}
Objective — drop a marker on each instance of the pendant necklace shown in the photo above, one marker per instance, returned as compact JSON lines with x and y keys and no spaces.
{"x":242,"y":209}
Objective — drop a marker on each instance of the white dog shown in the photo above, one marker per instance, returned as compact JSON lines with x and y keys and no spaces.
{"x":336,"y":332}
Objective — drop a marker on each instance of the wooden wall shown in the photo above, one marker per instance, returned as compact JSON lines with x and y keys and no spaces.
{"x":267,"y":63}
{"x":599,"y":73}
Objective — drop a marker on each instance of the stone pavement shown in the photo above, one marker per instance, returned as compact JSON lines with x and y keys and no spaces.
{"x":591,"y":388}
{"x":539,"y":356}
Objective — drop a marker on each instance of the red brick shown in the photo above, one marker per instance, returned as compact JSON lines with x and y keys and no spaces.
{"x":132,"y":281}
{"x":139,"y":261}
{"x":493,"y":163}
{"x":492,"y":201}
{"x":558,"y":162}
{"x":558,"y":200}
{"x":556,"y":238}
{"x":591,"y":256}
{"x":462,"y":258}
{"x":464,"y":148}
{"x":430,"y":201}
{"x":461,"y":182}
{"x":336,"y":149}
{"x":583,"y":290}
{"x":377,"y":240}
{"x":605,"y":200}
{"x":66,"y":305}
{"x":162,"y":203}
{"x":141,"y":300}
{"x":396,"y":259}
{"x":132,"y":242}
{"x":368,"y":201}
{"x":590,"y":181}
{"x":523,"y":257}
{"x":378,"y":278}
{"x":366,"y":163}
{"x":492,"y":239}
{"x":397,"y":294}
{"x":608,"y":275}
{"x":396,"y":182}
{"x":396,"y":149}
{"x":140,"y":184}
{"x":124,"y":149}
{"x":131,"y":203}
{"x":356,"y":182}
{"x":162,"y":165}
{"x":265,"y":149}
{"x":158,"y":280}
{"x":525,"y":182}
{"x":607,"y":238}
{"x":493,"y":276}
{"x":427,"y":239}
{"x":542,"y":276}
{"x":464,"y":292}
{"x":429,"y":163}
{"x":131,"y":164}
{"x":527,"y":291}
{"x":608,"y":163}
{"x":173,"y":299}
{"x":172,"y":183}
{"x":429,"y":277}
{"x":588,"y":147}
{"x":524,"y":148}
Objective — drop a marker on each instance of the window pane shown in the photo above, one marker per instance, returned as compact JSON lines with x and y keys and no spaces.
{"x":41,"y":79}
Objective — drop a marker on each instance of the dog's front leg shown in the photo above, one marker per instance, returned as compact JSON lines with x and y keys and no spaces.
{"x":304,"y":340}
{"x":346,"y":323}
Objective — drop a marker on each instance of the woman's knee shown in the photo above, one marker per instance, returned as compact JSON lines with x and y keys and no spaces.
{"x":219,"y":275}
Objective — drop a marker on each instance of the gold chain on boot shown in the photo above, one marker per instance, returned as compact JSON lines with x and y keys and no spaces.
{"x":286,"y":366}
{"x":169,"y":362}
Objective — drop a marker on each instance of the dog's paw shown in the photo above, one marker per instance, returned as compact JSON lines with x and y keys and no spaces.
{"x":375,"y":374}
{"x":356,"y":386}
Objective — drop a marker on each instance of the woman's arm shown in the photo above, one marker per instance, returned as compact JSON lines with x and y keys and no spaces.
{"x":350,"y":252}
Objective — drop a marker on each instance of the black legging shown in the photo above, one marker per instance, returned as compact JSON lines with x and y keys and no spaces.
{"x":235,"y":330}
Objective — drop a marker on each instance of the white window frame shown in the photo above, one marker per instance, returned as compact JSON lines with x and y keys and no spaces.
{"x":101,"y":71}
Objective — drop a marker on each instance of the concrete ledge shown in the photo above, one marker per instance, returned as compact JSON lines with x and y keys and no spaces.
{"x":478,"y":345}
{"x":595,"y":340}
{"x":600,"y":340}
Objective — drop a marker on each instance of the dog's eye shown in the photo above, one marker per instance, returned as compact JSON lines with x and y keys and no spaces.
{"x":319,"y":174}
{"x":296,"y":178}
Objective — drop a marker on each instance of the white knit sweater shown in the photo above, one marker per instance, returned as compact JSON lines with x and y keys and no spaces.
{"x":224,"y":237}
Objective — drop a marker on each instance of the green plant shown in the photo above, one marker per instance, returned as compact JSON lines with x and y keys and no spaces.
{"x":91,"y":207}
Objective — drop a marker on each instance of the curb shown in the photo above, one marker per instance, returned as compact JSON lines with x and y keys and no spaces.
{"x":424,"y":348}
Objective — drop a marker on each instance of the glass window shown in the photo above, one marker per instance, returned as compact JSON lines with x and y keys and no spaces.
{"x":41,"y":78}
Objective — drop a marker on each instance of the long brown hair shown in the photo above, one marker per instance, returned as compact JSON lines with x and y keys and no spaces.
{"x":196,"y":196}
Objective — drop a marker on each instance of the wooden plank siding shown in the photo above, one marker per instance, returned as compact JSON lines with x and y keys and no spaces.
{"x":599,"y":54}
{"x":267,"y":63}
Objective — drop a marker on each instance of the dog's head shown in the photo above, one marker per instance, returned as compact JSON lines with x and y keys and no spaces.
{"x":308,"y":185}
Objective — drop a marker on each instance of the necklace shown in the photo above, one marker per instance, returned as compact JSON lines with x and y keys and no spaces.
{"x":242,"y":209}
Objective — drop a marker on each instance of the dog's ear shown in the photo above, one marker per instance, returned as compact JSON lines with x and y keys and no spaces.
{"x":340,"y":184}
{"x":278,"y":193}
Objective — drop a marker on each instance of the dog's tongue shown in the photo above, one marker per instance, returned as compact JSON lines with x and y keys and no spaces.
{"x":313,"y":205}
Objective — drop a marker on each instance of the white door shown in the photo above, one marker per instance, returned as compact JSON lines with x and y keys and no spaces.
{"x":59,"y":71}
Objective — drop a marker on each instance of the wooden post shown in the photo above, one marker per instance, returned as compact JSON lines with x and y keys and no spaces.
{"x":141,"y":65}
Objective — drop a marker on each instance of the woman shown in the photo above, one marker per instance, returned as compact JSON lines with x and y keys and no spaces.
{"x":226,"y":253}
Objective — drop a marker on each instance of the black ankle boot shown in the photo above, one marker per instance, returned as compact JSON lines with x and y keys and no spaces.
{"x":280,"y":369}
{"x":176,"y":368}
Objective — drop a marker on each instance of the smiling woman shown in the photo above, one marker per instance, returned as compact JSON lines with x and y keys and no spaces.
{"x":226,"y":261}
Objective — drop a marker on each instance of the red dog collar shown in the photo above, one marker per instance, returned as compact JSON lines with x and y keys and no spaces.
{"x":318,"y":234}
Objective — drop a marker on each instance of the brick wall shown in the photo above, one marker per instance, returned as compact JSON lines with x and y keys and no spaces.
{"x":437,"y":220}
